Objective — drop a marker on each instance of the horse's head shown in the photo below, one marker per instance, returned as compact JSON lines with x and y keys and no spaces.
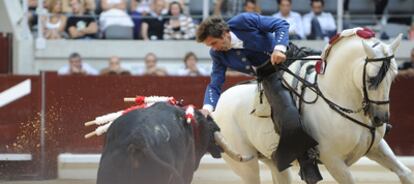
{"x":380,"y":68}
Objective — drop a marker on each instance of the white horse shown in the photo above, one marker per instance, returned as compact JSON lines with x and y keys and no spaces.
{"x":358,"y":71}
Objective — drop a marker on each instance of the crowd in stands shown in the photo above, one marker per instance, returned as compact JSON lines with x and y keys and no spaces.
{"x":190,"y":67}
{"x":170,"y":19}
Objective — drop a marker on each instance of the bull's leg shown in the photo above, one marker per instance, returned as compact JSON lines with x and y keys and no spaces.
{"x":248,"y":171}
{"x":385,"y":156}
{"x":278,"y":177}
{"x":337,"y":168}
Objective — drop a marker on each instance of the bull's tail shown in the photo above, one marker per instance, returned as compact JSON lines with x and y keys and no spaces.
{"x":139,"y":149}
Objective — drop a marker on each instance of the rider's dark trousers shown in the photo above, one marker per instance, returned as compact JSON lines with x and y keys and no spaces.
{"x":294,"y":141}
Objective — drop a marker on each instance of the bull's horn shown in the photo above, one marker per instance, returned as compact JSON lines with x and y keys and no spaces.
{"x":89,"y":123}
{"x":219,"y":138}
{"x":89,"y":135}
{"x":128,"y":99}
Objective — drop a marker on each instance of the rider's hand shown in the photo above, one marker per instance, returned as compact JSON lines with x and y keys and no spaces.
{"x":277,"y":57}
{"x":205,"y":112}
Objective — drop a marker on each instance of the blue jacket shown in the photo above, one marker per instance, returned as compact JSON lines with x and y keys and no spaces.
{"x":260,"y":34}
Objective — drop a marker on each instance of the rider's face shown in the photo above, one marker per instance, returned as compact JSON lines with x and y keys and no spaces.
{"x":222,"y":43}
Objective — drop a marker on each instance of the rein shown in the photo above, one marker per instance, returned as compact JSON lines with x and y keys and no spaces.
{"x":344,"y":112}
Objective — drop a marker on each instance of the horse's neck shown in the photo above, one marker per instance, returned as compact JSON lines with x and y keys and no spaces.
{"x":344,"y":66}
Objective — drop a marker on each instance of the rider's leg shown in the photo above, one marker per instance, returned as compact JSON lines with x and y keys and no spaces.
{"x":384,"y":156}
{"x":294,"y":141}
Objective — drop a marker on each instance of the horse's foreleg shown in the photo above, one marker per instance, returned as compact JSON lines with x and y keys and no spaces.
{"x":385,"y":156}
{"x":278,"y":177}
{"x":248,"y":171}
{"x":338,"y":169}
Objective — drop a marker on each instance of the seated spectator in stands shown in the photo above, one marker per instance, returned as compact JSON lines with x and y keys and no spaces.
{"x":293,"y":18}
{"x":55,"y":23}
{"x":138,"y":9}
{"x":152,"y":27}
{"x":32,"y":16}
{"x":114,"y":14}
{"x":151,"y":67}
{"x":411,"y":32}
{"x":89,"y":6}
{"x":80,"y":25}
{"x":251,"y":6}
{"x":114,"y":67}
{"x":77,"y":67}
{"x":142,"y":7}
{"x":319,"y":24}
{"x":228,"y":8}
{"x":407,"y":68}
{"x":178,"y":26}
{"x":191,"y":68}
{"x":113,"y":4}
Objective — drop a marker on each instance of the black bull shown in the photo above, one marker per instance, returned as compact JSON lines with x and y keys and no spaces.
{"x":155,"y":146}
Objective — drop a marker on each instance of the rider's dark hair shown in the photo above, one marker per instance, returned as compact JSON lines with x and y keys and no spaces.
{"x":213,"y":26}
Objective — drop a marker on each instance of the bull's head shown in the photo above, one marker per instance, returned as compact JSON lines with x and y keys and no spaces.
{"x":216,"y":141}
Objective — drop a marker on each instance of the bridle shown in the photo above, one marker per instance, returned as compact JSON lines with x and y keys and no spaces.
{"x":367,"y":101}
{"x":344,"y":112}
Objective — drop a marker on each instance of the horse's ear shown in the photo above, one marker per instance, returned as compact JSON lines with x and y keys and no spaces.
{"x":394,"y":44}
{"x":368,"y":50}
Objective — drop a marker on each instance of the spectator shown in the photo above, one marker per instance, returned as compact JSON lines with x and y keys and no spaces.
{"x":411,"y":32}
{"x":32,"y":16}
{"x":317,"y":23}
{"x":113,"y":4}
{"x":178,"y":26}
{"x":293,"y":18}
{"x":77,"y":67}
{"x":55,"y":23}
{"x":142,"y":7}
{"x":89,"y":6}
{"x":137,"y":11}
{"x":114,"y":67}
{"x":151,"y":66}
{"x":114,"y":14}
{"x":152,"y":28}
{"x":79,"y":25}
{"x":228,"y":8}
{"x":186,"y":11}
{"x":380,"y":6}
{"x":251,"y":6}
{"x":191,"y":68}
{"x":407,"y":68}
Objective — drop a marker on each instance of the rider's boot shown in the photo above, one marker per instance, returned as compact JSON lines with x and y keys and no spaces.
{"x":309,"y":171}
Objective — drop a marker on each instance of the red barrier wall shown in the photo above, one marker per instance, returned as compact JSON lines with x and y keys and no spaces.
{"x":72,"y":100}
{"x":6,"y":53}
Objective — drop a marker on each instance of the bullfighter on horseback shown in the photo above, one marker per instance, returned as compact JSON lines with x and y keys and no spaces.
{"x":257,"y":45}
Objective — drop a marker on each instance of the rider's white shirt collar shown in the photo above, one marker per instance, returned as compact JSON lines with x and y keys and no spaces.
{"x":236,"y":43}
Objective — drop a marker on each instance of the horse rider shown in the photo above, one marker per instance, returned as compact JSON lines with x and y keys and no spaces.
{"x":256,"y":45}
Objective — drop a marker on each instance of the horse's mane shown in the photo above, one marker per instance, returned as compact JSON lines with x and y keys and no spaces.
{"x":359,"y":34}
{"x":348,"y":35}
